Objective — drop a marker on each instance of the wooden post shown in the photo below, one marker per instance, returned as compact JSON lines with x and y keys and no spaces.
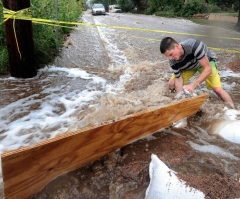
{"x":20,"y":45}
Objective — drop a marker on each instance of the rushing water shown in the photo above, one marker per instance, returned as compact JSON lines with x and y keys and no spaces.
{"x":104,"y":74}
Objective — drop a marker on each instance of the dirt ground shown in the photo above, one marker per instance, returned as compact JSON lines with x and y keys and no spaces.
{"x":234,"y":65}
{"x":125,"y":175}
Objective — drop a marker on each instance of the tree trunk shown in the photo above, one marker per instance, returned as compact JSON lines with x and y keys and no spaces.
{"x":20,"y":46}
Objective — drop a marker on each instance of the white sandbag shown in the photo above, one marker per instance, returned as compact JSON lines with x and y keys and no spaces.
{"x":227,"y":129}
{"x":231,"y":114}
{"x":165,"y":184}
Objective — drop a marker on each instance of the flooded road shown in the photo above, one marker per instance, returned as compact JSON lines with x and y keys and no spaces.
{"x":106,"y":73}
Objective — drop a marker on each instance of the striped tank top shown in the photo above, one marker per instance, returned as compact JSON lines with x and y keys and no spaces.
{"x":194,"y":50}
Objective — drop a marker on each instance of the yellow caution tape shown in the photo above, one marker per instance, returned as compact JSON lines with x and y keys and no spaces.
{"x":25,"y":14}
{"x":225,"y":50}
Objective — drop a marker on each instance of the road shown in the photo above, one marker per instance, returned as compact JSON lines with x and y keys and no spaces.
{"x":103,"y":46}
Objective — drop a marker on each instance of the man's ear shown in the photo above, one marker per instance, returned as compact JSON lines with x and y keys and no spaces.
{"x":176,"y":46}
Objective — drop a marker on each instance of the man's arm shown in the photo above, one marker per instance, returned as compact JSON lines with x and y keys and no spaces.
{"x":207,"y":70}
{"x":179,"y":84}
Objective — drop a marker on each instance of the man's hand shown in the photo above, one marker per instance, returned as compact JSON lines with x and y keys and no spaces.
{"x":171,"y":83}
{"x":189,"y":87}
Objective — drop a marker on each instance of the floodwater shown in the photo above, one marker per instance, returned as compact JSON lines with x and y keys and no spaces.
{"x":106,"y":73}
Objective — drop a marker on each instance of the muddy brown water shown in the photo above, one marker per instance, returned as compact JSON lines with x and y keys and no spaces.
{"x":199,"y":157}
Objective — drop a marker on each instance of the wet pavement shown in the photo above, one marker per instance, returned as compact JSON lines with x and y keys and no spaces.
{"x":104,"y":71}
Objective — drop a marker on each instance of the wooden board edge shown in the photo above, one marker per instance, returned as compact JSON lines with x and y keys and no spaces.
{"x":69,"y":134}
{"x":13,"y":175}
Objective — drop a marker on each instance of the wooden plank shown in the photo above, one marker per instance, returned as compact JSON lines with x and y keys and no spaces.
{"x":28,"y":169}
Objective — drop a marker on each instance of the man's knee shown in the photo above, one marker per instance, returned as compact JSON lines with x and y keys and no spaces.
{"x":218,"y":91}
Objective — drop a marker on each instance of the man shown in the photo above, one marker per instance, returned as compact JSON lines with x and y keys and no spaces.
{"x":188,"y":57}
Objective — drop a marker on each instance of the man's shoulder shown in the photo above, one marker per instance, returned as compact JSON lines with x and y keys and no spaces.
{"x":189,"y":42}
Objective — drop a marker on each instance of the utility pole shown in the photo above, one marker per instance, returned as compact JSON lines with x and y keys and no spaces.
{"x":19,"y":36}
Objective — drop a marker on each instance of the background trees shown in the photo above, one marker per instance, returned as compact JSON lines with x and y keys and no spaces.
{"x":182,"y":8}
{"x":175,"y":8}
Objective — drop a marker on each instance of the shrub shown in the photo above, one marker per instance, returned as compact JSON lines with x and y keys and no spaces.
{"x":165,"y":14}
{"x":193,"y":7}
{"x":4,"y":64}
{"x":214,"y":9}
{"x":126,"y":5}
{"x":149,"y":10}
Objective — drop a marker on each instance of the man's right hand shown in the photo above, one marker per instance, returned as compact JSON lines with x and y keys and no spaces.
{"x":171,"y":83}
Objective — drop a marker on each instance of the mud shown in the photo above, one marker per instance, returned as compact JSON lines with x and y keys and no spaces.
{"x":124,"y":173}
{"x":235,"y":65}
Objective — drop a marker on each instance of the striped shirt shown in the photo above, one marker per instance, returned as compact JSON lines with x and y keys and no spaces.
{"x":194,"y":50}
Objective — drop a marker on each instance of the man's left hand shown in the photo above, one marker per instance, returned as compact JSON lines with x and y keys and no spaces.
{"x":189,"y":88}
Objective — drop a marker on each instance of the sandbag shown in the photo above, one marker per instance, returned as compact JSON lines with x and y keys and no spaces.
{"x":165,"y":184}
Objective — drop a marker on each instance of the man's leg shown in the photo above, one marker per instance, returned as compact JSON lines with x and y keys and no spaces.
{"x":223,"y":95}
{"x":214,"y":82}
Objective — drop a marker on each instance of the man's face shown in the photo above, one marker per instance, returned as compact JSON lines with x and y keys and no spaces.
{"x":175,"y":53}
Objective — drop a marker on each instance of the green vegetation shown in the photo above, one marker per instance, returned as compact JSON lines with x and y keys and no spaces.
{"x":44,"y":36}
{"x":192,"y":7}
{"x":3,"y":47}
{"x":175,"y":8}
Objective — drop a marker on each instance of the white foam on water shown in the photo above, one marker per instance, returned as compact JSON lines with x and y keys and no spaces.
{"x":21,"y":126}
{"x":117,"y":56}
{"x":180,"y":124}
{"x":119,"y":86}
{"x":213,"y":150}
{"x":56,"y":107}
{"x":228,"y":73}
{"x":165,"y":184}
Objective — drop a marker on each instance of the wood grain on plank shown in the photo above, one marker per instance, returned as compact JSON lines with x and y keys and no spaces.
{"x":28,"y":169}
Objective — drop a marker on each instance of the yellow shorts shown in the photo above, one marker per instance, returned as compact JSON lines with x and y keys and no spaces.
{"x":213,"y":80}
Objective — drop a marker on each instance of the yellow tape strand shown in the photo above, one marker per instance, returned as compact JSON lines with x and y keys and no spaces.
{"x":21,"y":15}
{"x":16,"y":38}
{"x":25,"y":14}
{"x":138,"y":37}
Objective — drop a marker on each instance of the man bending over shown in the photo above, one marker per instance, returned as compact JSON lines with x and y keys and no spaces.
{"x":187,"y":58}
